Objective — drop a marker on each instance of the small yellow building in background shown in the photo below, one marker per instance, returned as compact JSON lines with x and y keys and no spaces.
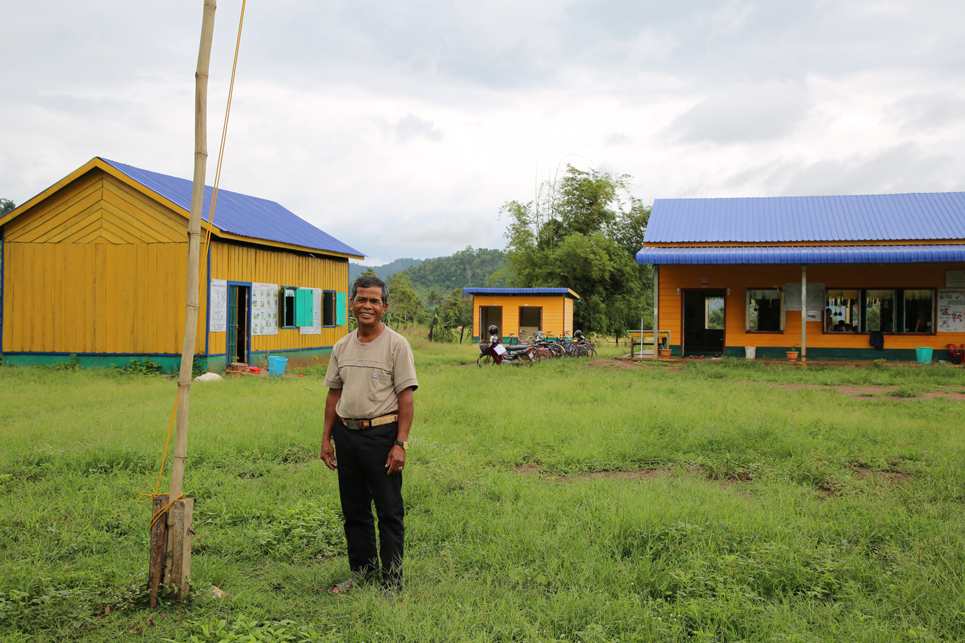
{"x":96,"y":266}
{"x":549,"y":310}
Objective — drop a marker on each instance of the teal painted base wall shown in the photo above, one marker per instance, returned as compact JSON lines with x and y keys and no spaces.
{"x":849,"y":354}
{"x":170,"y":364}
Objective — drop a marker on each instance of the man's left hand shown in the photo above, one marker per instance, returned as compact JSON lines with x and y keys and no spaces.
{"x":396,"y":460}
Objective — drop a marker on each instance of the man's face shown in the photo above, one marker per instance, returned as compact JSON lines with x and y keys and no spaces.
{"x":367,"y":306}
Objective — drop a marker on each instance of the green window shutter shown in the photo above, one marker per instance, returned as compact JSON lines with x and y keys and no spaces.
{"x":303,"y":307}
{"x":340,"y":309}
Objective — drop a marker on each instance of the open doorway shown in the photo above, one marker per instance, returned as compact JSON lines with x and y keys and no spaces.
{"x":490,"y":316}
{"x":238,"y":343}
{"x":530,"y":320}
{"x":703,"y":322}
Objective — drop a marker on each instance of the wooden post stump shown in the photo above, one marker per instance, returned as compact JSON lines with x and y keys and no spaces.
{"x":170,"y":558}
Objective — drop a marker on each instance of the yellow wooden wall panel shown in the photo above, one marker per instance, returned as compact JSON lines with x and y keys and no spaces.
{"x":75,"y":227}
{"x":148,"y":219}
{"x":149,"y":211}
{"x":55,"y":212}
{"x":57,"y":298}
{"x":130,"y":228}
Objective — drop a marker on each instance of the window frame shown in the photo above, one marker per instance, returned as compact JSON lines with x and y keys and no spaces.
{"x":326,"y":310}
{"x":283,"y":306}
{"x":747,"y":313}
{"x":899,"y":314}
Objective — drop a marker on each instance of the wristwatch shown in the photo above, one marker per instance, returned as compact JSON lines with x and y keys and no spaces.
{"x":404,"y":445}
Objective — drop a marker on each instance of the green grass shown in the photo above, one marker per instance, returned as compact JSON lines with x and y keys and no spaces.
{"x":772,"y":513}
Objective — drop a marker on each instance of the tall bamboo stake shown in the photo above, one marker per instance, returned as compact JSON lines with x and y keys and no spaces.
{"x":170,"y":551}
{"x":194,"y":248}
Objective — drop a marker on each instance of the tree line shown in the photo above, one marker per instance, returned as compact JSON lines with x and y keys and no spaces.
{"x":582,"y":231}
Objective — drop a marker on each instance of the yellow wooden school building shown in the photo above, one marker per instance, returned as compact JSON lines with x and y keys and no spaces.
{"x":529,"y":310}
{"x":838,"y":277}
{"x":96,"y":266}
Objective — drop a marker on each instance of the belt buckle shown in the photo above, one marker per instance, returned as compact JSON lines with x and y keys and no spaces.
{"x":355,"y":425}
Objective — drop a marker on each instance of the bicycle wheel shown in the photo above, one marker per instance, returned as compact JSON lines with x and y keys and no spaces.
{"x":484,"y":360}
{"x":582,"y":352}
{"x":533,"y":355}
{"x":557,"y":350}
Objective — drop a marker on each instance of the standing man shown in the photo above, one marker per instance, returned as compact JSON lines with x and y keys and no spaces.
{"x":368,"y":412}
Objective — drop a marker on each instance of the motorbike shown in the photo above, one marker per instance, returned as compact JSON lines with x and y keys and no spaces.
{"x":496,"y":353}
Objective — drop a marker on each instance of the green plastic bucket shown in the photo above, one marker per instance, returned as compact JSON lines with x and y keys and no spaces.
{"x":924,"y":354}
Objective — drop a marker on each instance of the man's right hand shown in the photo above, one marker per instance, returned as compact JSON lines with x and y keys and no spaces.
{"x":328,"y":455}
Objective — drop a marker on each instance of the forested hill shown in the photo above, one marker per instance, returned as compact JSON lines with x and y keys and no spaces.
{"x":470,"y":267}
{"x":384,"y":271}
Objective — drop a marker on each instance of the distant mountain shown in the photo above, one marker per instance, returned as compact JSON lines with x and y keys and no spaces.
{"x":464,"y":269}
{"x":384,"y":271}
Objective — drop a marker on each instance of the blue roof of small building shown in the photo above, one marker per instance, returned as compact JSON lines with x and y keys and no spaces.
{"x":240,"y":214}
{"x":802,"y":254}
{"x":800,"y":219}
{"x":520,"y":291}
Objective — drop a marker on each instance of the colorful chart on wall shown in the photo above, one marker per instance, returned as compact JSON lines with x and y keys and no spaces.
{"x":218,"y":313}
{"x":951,"y":311}
{"x":264,"y":309}
{"x":316,"y":327}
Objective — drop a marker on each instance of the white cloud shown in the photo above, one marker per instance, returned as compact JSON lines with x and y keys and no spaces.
{"x":402,"y":128}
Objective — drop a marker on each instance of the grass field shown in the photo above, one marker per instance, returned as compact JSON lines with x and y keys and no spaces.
{"x":570,"y":501}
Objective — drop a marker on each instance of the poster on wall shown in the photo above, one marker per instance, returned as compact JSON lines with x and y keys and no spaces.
{"x":264,"y":309}
{"x":951,"y":311}
{"x":316,"y":327}
{"x":218,"y":312}
{"x":816,"y":299}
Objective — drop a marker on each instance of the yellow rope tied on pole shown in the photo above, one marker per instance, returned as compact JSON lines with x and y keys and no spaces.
{"x":144,"y":497}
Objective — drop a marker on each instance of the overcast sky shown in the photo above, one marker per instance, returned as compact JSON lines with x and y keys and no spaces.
{"x":401,"y":127}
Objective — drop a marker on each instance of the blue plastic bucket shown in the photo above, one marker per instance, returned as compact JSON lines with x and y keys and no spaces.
{"x":276,"y":365}
{"x":924,"y":354}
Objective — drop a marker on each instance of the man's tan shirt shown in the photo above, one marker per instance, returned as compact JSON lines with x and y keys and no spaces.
{"x":371,"y":375}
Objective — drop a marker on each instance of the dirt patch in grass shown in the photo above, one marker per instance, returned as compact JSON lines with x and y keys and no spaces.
{"x":642,"y":474}
{"x":947,"y":394}
{"x":865,"y":392}
{"x":618,"y":364}
{"x":527,"y":469}
{"x":894,"y":477}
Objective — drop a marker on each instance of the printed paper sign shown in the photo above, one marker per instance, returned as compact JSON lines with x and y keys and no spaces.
{"x":218,"y":306}
{"x":264,"y":309}
{"x":951,"y":311}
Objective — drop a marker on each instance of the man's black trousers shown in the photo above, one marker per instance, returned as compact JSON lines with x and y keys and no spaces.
{"x":362,"y":480}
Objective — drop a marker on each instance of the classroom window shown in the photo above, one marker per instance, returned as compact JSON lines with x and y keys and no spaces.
{"x":328,"y":308}
{"x":287,"y":305}
{"x":765,"y":310}
{"x":843,"y":311}
{"x":919,"y":309}
{"x":882,"y":310}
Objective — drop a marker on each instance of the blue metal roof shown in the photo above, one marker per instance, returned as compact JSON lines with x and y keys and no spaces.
{"x":520,"y":291}
{"x":803,"y":254}
{"x":874,"y":217}
{"x":240,"y":214}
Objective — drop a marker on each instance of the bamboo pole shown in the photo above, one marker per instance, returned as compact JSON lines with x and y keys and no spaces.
{"x":170,"y":560}
{"x":194,"y":248}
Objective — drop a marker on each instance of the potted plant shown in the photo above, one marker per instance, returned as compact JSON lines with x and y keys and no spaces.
{"x":664,"y":353}
{"x":792,"y":354}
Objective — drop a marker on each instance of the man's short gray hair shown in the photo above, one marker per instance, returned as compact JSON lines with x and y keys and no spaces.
{"x":371,"y":281}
